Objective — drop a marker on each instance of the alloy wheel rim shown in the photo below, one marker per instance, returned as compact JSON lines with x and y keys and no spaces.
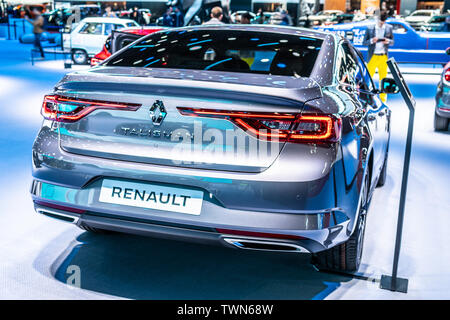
{"x":79,"y":56}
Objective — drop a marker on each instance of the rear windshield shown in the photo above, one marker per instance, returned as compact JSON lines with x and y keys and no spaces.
{"x":224,"y":50}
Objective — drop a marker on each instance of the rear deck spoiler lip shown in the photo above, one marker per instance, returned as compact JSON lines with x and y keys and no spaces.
{"x":194,"y":86}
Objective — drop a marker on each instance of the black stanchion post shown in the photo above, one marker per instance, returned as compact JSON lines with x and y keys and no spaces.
{"x":9,"y":30}
{"x":394,"y":283}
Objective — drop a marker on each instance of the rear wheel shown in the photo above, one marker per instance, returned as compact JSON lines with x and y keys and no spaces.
{"x":440,"y":123}
{"x":79,"y":56}
{"x":383,"y":173}
{"x":346,"y":257}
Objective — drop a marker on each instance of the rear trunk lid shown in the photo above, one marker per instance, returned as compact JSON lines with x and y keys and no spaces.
{"x":157,"y":133}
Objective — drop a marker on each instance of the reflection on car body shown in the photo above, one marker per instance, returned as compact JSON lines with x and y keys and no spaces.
{"x":409,"y":45}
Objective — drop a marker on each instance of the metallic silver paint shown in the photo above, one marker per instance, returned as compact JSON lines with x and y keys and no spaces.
{"x":290,"y":192}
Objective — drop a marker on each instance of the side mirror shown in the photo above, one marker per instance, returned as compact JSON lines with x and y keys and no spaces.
{"x":448,"y":51}
{"x":388,"y":85}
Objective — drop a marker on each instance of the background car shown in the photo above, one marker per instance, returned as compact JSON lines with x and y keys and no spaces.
{"x":437,"y":23}
{"x":128,"y":35}
{"x":235,"y":17}
{"x":88,"y":37}
{"x":145,"y":15}
{"x":324,"y":16}
{"x":410,"y":46}
{"x":442,"y":111}
{"x":419,"y":17}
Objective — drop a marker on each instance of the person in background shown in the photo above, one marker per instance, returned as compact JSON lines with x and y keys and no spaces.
{"x":216,"y":16}
{"x":108,"y":13}
{"x":168,"y":20}
{"x":378,"y":38}
{"x":246,"y":18}
{"x":38,"y":23}
{"x":179,"y":17}
{"x":260,"y":16}
{"x":135,"y":14}
{"x":391,"y":11}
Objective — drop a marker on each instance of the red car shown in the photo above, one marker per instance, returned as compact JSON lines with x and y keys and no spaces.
{"x":136,"y":33}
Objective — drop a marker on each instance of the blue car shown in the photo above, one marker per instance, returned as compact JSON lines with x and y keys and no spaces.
{"x":410,"y":46}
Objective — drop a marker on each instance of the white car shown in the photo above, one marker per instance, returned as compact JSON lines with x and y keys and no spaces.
{"x":323,"y":16}
{"x":88,"y":37}
{"x":419,"y":17}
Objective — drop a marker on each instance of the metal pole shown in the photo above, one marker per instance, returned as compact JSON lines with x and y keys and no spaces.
{"x":394,"y":283}
{"x":401,"y":210}
{"x":9,"y":29}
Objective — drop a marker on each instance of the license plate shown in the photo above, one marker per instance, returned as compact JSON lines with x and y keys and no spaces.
{"x":151,"y":196}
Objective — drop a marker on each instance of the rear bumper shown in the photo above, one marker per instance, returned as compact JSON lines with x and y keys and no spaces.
{"x":296,"y":196}
{"x":311,"y":232}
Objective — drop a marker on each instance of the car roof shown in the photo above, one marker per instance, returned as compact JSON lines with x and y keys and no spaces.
{"x":106,"y":20}
{"x":259,"y":28}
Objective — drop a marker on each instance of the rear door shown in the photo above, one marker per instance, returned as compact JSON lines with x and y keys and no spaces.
{"x":355,"y":77}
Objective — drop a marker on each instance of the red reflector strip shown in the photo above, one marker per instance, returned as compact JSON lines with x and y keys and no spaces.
{"x":260,"y":234}
{"x":59,"y":207}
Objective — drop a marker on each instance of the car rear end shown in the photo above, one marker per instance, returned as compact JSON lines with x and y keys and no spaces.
{"x":442,"y":111}
{"x":219,"y":151}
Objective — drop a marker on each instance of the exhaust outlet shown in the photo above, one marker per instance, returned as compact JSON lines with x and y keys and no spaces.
{"x":58,"y":215}
{"x":263,"y":245}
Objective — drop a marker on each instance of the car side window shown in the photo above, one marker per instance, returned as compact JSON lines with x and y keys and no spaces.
{"x":398,"y":28}
{"x":111,"y":26}
{"x":347,"y":66}
{"x":363,"y":79}
{"x":91,"y":28}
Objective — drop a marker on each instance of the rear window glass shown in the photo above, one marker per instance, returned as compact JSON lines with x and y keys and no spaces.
{"x":224,"y":50}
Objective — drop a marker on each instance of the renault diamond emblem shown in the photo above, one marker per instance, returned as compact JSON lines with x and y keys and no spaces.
{"x":157,"y":112}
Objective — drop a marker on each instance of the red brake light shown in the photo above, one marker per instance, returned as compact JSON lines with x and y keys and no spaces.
{"x":64,"y":109}
{"x":447,"y":75}
{"x":278,"y":126}
{"x":95,"y":61}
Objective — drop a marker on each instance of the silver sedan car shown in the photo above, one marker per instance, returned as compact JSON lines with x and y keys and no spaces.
{"x":255,"y":137}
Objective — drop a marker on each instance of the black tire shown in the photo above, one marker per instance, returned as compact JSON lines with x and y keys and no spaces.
{"x":346,"y":257}
{"x":94,"y":230}
{"x":79,"y":56}
{"x":440,"y":123}
{"x":383,"y":173}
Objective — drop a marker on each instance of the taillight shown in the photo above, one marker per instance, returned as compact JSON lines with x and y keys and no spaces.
{"x":95,"y":61}
{"x":65,"y":109}
{"x":278,"y":126}
{"x":447,"y":75}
